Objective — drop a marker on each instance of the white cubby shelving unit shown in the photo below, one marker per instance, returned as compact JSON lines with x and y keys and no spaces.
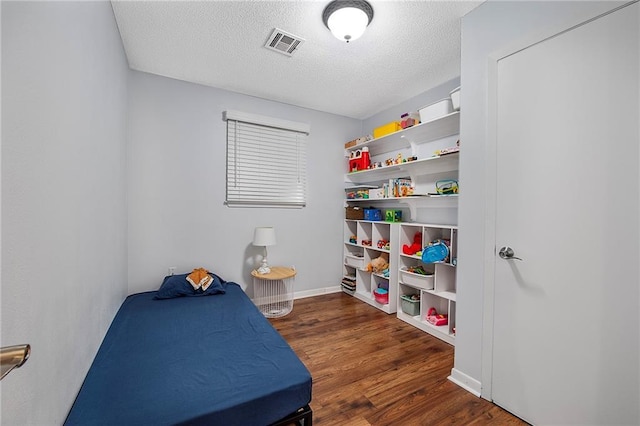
{"x":357,"y":256}
{"x":437,"y":288}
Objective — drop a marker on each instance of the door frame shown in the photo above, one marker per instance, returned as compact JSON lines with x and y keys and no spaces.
{"x":490,"y":161}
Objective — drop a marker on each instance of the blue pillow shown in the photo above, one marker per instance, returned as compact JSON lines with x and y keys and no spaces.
{"x":177,"y":286}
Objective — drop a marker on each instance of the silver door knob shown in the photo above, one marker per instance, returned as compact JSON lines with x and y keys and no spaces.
{"x":507,"y":253}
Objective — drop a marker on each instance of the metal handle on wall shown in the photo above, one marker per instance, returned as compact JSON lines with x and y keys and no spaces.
{"x":13,"y":357}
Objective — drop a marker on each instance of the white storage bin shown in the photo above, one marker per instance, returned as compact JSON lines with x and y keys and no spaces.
{"x":455,"y":98}
{"x":436,"y":110}
{"x":354,"y":261}
{"x":376,"y":193}
{"x":424,"y":282}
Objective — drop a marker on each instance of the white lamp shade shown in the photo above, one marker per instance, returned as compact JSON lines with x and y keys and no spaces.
{"x":264,"y":236}
{"x":348,"y":23}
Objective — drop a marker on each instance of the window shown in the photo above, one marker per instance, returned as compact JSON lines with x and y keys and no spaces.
{"x":266,"y":161}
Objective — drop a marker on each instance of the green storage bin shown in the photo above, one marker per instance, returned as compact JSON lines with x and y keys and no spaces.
{"x":410,"y":306}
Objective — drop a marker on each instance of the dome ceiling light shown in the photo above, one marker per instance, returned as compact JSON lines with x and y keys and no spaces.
{"x":347,"y":19}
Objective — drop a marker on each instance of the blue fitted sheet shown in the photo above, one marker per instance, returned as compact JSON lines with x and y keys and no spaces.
{"x":211,"y":360}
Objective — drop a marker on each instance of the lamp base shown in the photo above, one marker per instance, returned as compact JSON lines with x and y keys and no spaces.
{"x":264,"y":270}
{"x":264,"y":267}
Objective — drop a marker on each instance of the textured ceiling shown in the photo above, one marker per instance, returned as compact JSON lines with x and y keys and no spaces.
{"x":409,"y":47}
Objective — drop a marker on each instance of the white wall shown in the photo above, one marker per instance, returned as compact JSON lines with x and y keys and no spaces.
{"x":177,"y":169}
{"x":491,"y":27}
{"x":63,"y":197}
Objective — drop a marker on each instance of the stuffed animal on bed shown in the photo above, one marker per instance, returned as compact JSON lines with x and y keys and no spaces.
{"x":378,"y":265}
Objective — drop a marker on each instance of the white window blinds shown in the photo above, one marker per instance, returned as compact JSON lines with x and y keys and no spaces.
{"x":266,"y":161}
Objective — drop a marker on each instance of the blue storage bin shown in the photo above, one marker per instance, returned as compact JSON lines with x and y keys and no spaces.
{"x":372,"y":214}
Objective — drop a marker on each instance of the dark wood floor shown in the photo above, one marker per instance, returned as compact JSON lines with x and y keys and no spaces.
{"x":370,"y":368}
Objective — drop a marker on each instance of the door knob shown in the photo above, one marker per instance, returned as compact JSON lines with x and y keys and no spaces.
{"x":507,"y":253}
{"x":13,"y":357}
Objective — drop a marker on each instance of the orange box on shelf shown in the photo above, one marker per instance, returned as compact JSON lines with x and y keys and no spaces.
{"x":386,"y":129}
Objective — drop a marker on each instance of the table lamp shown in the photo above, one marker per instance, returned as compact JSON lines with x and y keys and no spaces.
{"x":264,"y":236}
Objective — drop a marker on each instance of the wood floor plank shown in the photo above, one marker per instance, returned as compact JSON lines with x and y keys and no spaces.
{"x":371,"y":369}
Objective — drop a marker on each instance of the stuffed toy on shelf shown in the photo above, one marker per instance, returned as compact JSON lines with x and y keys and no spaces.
{"x":415,"y":247}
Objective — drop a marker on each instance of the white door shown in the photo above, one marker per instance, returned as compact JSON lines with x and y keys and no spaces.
{"x":566,"y":316}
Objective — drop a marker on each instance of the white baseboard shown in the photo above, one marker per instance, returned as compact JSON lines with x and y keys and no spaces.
{"x":465,"y":382}
{"x":316,"y":292}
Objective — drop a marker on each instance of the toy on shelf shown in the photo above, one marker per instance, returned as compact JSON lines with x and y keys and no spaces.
{"x":409,"y":119}
{"x":434,"y":318}
{"x":366,"y":243}
{"x":377,"y":265}
{"x":358,"y":194}
{"x":450,"y":150}
{"x":358,"y":141}
{"x":415,"y":247}
{"x":417,"y":270}
{"x":383,"y":244}
{"x":393,"y":216}
{"x":359,"y":160}
{"x":353,"y":239}
{"x":436,"y":251}
{"x":447,"y":187}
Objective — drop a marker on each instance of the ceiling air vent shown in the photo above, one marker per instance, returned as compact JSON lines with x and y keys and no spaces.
{"x":283,"y":42}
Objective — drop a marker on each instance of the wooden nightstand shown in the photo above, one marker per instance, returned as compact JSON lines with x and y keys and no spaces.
{"x":273,"y":292}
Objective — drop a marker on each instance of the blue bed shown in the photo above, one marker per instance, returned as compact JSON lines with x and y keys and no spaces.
{"x":211,"y":360}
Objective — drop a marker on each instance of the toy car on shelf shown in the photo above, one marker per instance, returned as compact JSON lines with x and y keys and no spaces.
{"x":383,"y":244}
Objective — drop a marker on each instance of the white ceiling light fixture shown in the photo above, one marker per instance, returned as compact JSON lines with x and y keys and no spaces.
{"x":347,"y":19}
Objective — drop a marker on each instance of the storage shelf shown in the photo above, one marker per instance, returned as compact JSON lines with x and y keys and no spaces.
{"x":441,"y":332}
{"x":423,"y":172}
{"x":429,"y":131}
{"x":368,"y":298}
{"x":420,"y":258}
{"x":366,"y":247}
{"x":377,"y":249}
{"x":444,"y":294}
{"x":424,"y":166}
{"x":347,"y":187}
{"x":408,"y":199}
{"x":372,"y":200}
{"x":410,"y":256}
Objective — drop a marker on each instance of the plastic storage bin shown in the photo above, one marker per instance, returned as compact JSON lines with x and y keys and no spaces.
{"x":393,"y":216}
{"x":354,"y":261}
{"x":455,"y":98}
{"x":381,"y":295}
{"x":372,"y":214}
{"x":436,"y":110}
{"x":386,"y":129}
{"x":410,"y":306}
{"x":424,"y":282}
